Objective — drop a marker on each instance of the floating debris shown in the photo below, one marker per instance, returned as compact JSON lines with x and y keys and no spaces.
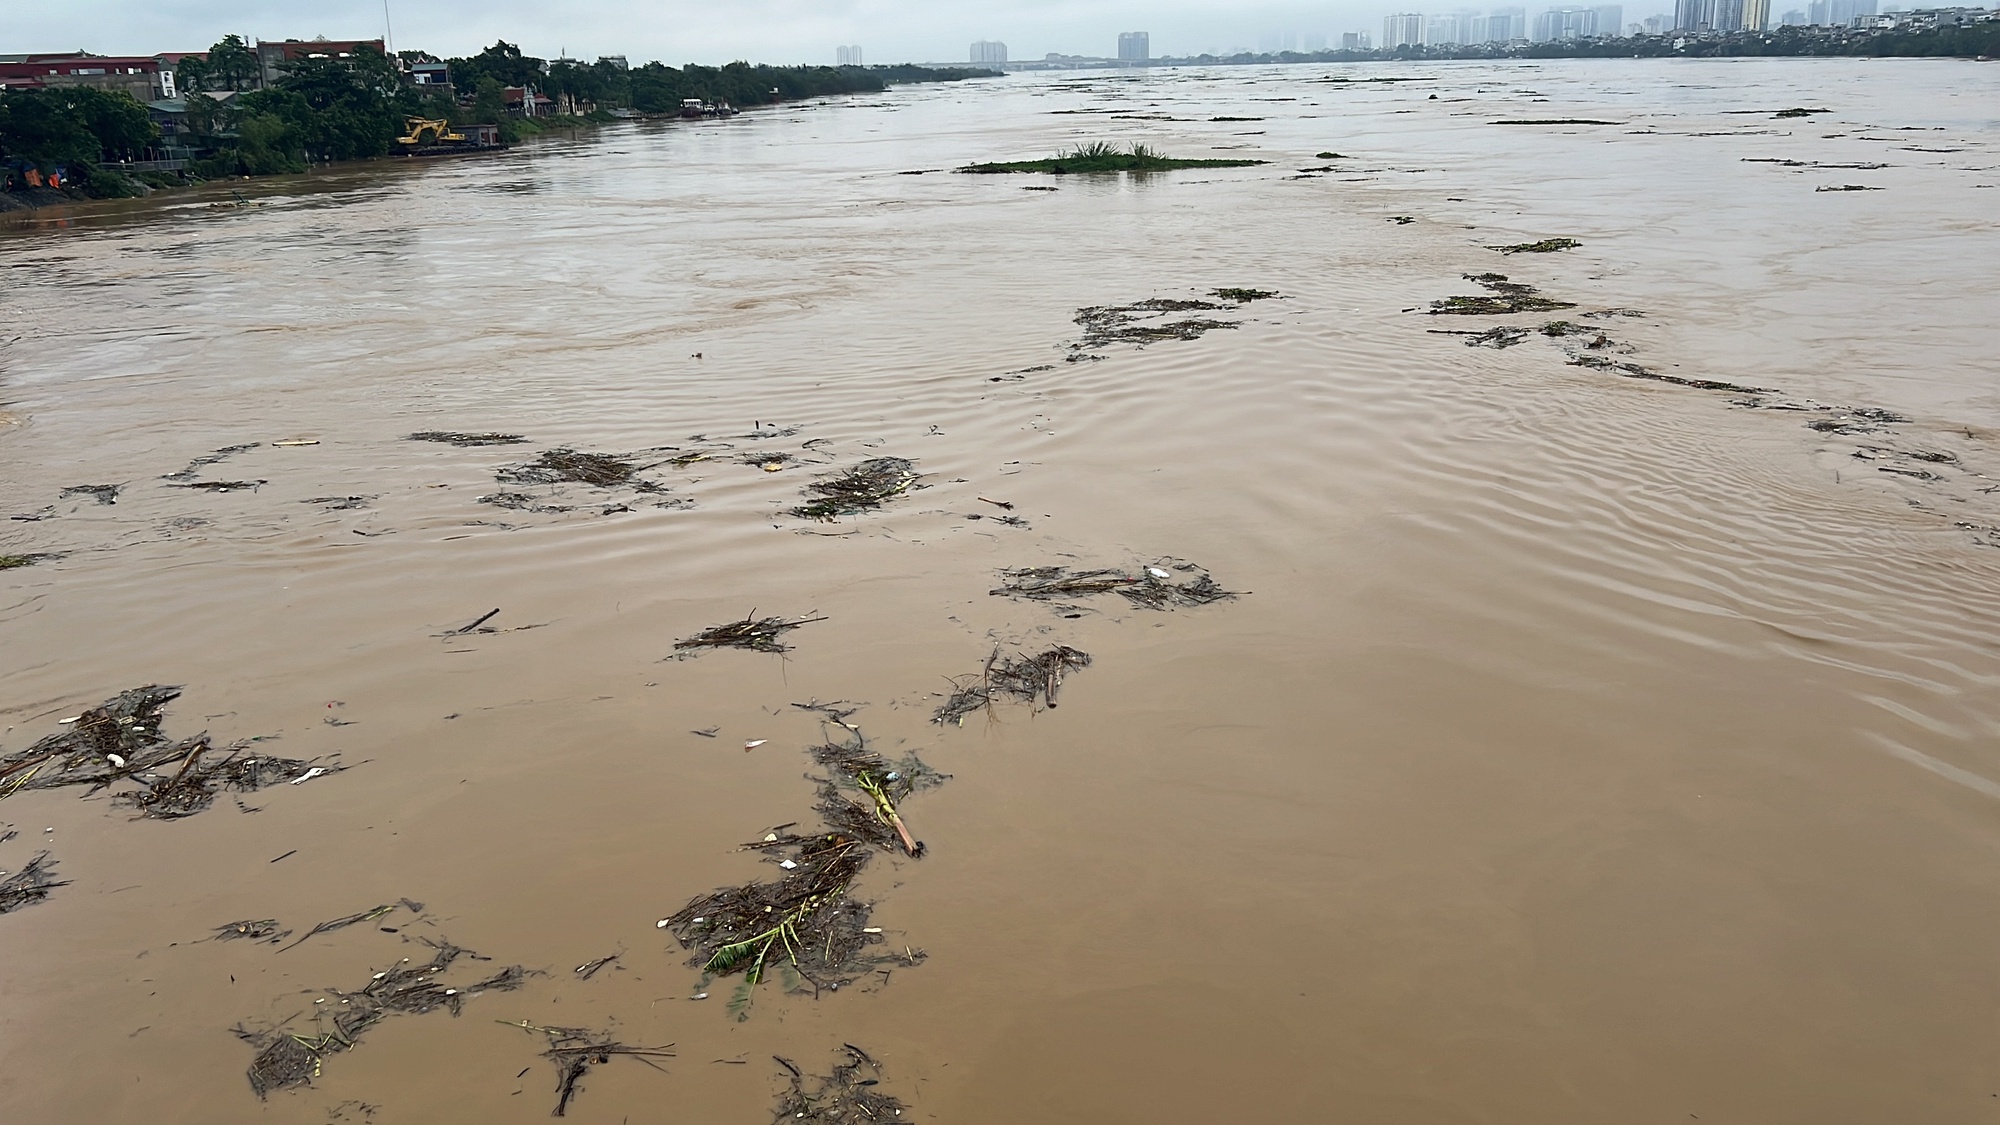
{"x":1799,"y":111}
{"x":1859,"y":420}
{"x":221,"y":485}
{"x":290,"y":1059}
{"x":192,"y":787}
{"x":29,"y":885}
{"x":805,"y":924}
{"x":863,"y":488}
{"x":467,"y":440}
{"x":1152,"y":587}
{"x":102,"y":493}
{"x":252,"y":929}
{"x":15,"y":562}
{"x":885,"y":784}
{"x":1557,"y":121}
{"x":219,"y":455}
{"x":848,"y":1096}
{"x":339,"y":503}
{"x":120,"y":740}
{"x":521,"y":502}
{"x":1141,"y":323}
{"x":1509,"y":297}
{"x":369,"y":915}
{"x":1847,"y":187}
{"x":1635,"y":371}
{"x":1022,"y":677}
{"x":589,"y":968}
{"x":559,"y":466}
{"x":1545,"y":246}
{"x":1243,"y":296}
{"x":758,"y":634}
{"x":575,"y":1050}
{"x":1504,"y":336}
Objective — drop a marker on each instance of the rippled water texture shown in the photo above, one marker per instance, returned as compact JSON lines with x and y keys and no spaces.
{"x":1585,"y":747}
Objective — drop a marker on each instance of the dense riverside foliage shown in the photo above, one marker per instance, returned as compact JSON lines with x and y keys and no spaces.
{"x":325,"y":109}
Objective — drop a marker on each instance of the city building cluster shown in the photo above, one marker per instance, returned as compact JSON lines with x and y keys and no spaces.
{"x":1516,"y":26}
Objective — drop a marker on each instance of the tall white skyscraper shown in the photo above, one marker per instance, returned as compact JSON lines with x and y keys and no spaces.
{"x":1134,"y":46}
{"x":849,"y":56}
{"x":987,"y":51}
{"x":1404,"y":29}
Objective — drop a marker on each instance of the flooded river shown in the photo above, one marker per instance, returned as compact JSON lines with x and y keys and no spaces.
{"x":1605,"y":729}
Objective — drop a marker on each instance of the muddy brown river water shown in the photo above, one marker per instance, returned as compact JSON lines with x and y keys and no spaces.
{"x":1584,"y":747}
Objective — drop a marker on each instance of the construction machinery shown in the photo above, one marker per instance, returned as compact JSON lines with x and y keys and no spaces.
{"x":425,"y":132}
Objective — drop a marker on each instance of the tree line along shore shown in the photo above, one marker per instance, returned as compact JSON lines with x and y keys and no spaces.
{"x":73,"y":142}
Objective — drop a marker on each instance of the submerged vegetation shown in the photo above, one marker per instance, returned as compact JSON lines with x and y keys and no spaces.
{"x":1102,"y":156}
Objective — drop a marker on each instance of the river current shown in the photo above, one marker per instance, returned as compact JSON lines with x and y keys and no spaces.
{"x":1607,"y":727}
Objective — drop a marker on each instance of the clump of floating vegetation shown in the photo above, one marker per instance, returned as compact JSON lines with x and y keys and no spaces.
{"x":1545,"y":246}
{"x":1150,"y":587}
{"x":1144,"y":322}
{"x":1556,"y":121}
{"x":15,"y":562}
{"x":31,"y":884}
{"x":1507,"y":297}
{"x":862,"y":488}
{"x":1857,"y":420}
{"x":806,"y":924}
{"x":575,"y":1050}
{"x":848,"y":1096}
{"x":559,"y":466}
{"x":291,"y":1058}
{"x":1504,"y":336}
{"x":452,"y":437}
{"x":120,"y":740}
{"x":1798,"y":111}
{"x":758,"y":634}
{"x":1020,"y":676}
{"x":1243,"y":296}
{"x":1102,"y":156}
{"x":102,"y":493}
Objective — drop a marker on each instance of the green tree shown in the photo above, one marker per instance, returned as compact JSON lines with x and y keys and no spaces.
{"x":338,"y":109}
{"x":231,"y":65}
{"x":73,"y":125}
{"x":191,"y":75}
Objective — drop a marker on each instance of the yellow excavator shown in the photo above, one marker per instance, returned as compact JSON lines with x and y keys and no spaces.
{"x":428,"y":131}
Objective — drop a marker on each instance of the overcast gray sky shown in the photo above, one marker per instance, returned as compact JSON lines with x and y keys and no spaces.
{"x":676,"y":31}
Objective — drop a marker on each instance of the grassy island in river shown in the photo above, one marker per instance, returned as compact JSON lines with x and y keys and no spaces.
{"x":1100,"y":156}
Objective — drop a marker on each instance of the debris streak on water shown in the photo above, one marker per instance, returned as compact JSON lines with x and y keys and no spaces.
{"x":1596,"y":747}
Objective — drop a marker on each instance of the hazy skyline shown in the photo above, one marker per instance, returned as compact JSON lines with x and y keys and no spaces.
{"x":772,"y":31}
